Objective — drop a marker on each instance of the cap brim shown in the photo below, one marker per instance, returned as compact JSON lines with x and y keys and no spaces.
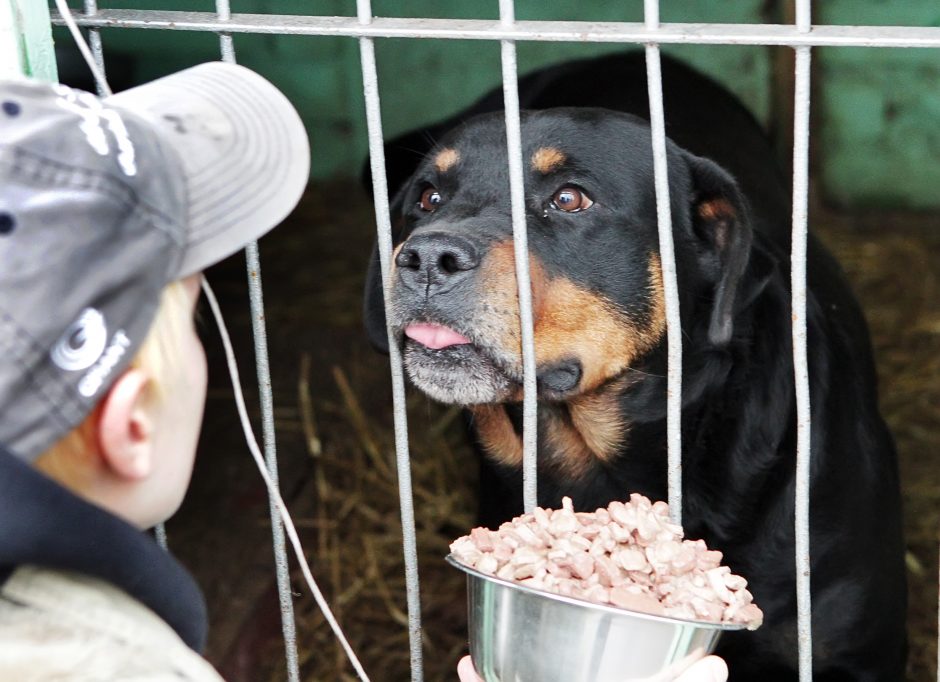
{"x":243,"y":149}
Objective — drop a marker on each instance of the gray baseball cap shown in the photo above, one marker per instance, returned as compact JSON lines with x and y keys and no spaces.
{"x":103,"y":202}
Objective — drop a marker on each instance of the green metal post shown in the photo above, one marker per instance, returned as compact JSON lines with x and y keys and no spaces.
{"x":26,"y":40}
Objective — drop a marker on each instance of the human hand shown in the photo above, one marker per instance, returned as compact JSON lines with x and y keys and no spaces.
{"x":465,"y":671}
{"x":709,"y":669}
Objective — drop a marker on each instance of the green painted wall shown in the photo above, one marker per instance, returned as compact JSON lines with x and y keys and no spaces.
{"x":877,"y":138}
{"x":420,"y":80}
{"x":879,"y":110}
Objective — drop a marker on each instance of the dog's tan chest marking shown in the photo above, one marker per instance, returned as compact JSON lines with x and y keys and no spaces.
{"x":598,"y":420}
{"x":497,"y":434}
{"x":578,"y":433}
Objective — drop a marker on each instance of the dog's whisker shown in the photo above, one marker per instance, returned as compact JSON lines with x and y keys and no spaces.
{"x":646,"y":374}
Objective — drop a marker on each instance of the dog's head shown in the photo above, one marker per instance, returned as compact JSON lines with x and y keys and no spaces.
{"x":593,"y":247}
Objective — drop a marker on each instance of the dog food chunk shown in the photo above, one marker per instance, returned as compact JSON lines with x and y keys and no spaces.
{"x":628,"y":555}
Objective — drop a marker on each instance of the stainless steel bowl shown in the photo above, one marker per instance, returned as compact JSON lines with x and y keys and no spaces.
{"x":519,"y":634}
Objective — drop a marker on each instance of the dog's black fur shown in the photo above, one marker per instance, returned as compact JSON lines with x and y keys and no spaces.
{"x":600,"y":340}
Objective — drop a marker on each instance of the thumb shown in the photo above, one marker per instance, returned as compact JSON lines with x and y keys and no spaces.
{"x":709,"y":669}
{"x":465,"y":671}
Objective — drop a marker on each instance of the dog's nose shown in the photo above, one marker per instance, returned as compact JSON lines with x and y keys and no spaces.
{"x":436,"y":260}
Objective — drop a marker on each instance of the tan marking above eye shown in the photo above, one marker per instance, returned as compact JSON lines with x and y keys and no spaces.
{"x":446,"y":159}
{"x":547,"y":159}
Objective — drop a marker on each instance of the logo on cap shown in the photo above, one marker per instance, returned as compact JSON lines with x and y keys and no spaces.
{"x":82,"y":343}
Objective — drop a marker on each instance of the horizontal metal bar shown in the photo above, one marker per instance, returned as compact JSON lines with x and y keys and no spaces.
{"x":537,"y":31}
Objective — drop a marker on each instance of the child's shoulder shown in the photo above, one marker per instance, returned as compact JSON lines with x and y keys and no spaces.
{"x":62,"y":625}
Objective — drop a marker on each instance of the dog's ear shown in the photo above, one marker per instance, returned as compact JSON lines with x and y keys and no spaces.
{"x":721,"y":222}
{"x":373,"y":309}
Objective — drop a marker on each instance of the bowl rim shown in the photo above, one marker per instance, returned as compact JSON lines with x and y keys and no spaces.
{"x":584,"y":603}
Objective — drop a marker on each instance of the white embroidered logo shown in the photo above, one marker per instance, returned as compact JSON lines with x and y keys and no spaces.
{"x":91,"y":112}
{"x":98,"y":374}
{"x":82,"y":343}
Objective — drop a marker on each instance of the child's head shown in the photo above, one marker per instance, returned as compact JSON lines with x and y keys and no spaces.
{"x":133,"y":454}
{"x":109,"y":211}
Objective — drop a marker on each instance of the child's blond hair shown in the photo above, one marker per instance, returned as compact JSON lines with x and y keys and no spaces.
{"x":68,"y":458}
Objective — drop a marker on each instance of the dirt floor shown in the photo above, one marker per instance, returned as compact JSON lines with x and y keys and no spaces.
{"x":332,"y":401}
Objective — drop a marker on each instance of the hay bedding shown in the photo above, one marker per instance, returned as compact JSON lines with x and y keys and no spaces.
{"x":335,"y":442}
{"x":893,"y":262}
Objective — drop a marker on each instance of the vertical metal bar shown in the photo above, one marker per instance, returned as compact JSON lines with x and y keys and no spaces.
{"x":68,"y":18}
{"x":104,"y":90}
{"x":282,"y":566}
{"x":668,"y":262}
{"x":271,"y":486}
{"x":97,"y":51}
{"x":159,"y":534}
{"x":507,"y":17}
{"x":800,"y":362}
{"x":226,"y":45}
{"x":800,"y":359}
{"x":260,"y":335}
{"x":804,"y":16}
{"x":159,"y":531}
{"x":651,"y":14}
{"x":370,"y":82}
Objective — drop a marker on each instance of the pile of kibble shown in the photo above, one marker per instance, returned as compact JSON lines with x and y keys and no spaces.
{"x":628,"y":555}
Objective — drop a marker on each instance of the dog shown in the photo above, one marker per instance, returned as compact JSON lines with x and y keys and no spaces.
{"x":600,"y":338}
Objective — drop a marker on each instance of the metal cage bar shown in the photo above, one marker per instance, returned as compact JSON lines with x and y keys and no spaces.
{"x":103,"y":89}
{"x":266,"y":398}
{"x":800,"y":363}
{"x":535,"y":31}
{"x":370,"y":82}
{"x":97,"y":50}
{"x":521,"y":253}
{"x":654,"y":84}
{"x":801,"y":519}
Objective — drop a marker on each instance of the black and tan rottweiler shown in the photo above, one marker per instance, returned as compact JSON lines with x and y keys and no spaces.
{"x":600,"y":330}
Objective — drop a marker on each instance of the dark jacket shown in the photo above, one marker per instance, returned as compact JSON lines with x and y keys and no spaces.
{"x":86,"y":596}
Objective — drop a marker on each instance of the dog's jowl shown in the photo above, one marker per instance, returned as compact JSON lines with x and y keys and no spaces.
{"x":599,"y":325}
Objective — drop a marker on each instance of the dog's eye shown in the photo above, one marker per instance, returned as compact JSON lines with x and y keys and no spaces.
{"x":571,"y":199}
{"x":430,"y":199}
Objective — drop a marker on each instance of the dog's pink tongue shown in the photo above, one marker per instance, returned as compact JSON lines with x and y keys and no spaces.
{"x":434,"y":336}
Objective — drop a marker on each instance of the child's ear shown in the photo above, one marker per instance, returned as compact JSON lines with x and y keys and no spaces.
{"x":125,"y":438}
